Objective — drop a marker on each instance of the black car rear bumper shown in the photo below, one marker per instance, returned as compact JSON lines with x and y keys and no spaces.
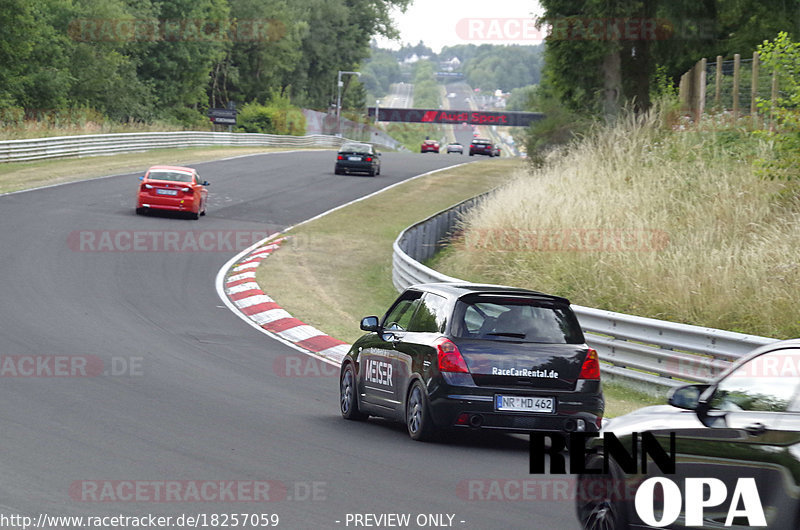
{"x":355,"y":167}
{"x":573,"y":413}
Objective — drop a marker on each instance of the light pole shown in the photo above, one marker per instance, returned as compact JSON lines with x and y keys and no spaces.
{"x":339,"y":85}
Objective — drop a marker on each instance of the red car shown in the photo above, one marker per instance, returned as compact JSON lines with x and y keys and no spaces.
{"x":174,"y":188}
{"x":429,"y":145}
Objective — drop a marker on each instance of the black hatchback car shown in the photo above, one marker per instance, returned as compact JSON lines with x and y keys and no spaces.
{"x":745,"y":426}
{"x":358,"y":158}
{"x":457,"y":355}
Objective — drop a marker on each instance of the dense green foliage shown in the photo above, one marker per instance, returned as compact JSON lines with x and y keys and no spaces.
{"x":142,"y":60}
{"x":379,"y":72}
{"x":782,"y":56}
{"x":279,"y":117}
{"x":597,"y":69}
{"x":426,"y":89}
{"x":503,"y":67}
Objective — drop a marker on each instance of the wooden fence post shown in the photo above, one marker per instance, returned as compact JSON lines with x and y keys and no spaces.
{"x":754,"y":91}
{"x":718,"y":83}
{"x":773,"y":100}
{"x":737,"y":61}
{"x":700,"y":77}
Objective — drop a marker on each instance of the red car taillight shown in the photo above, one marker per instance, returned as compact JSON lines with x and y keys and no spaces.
{"x":450,"y":359}
{"x":369,"y":159}
{"x":340,"y":157}
{"x":591,"y":366}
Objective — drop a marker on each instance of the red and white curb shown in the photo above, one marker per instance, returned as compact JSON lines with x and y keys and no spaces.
{"x":237,"y":288}
{"x":250,"y":302}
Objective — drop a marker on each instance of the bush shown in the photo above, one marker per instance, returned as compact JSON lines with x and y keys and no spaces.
{"x":278,"y":117}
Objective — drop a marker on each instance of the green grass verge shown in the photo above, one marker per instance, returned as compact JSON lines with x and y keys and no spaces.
{"x":17,"y":176}
{"x":338,"y":268}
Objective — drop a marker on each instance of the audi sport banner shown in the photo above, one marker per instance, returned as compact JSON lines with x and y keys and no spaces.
{"x":471,"y":117}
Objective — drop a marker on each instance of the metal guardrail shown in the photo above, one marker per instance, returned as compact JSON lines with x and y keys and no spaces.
{"x":644,"y":353}
{"x":103,"y":144}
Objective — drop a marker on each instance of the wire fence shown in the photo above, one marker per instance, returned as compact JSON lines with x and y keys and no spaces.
{"x":734,"y":85}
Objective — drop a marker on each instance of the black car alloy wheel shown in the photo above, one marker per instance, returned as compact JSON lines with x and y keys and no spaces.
{"x":418,"y":418}
{"x":348,"y":401}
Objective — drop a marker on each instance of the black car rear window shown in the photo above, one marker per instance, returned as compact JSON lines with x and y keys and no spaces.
{"x":516,"y":318}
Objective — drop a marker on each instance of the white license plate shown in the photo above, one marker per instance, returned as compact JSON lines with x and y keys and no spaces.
{"x":524,"y":403}
{"x":355,"y":158}
{"x":166,"y":192}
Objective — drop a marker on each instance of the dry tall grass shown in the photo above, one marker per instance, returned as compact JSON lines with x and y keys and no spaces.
{"x":639,"y":219}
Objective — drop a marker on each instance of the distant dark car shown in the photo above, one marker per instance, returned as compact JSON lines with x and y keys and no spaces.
{"x":745,"y":424}
{"x":429,"y":146}
{"x":455,"y":148}
{"x":467,"y":356}
{"x":358,"y":158}
{"x":481,"y":146}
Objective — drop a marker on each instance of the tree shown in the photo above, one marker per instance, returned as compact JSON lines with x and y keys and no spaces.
{"x":601,"y":54}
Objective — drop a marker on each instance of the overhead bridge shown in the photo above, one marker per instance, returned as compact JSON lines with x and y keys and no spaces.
{"x":455,"y":117}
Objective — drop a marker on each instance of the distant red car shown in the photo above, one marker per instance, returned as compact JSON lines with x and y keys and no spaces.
{"x":173,"y":188}
{"x":428,"y":146}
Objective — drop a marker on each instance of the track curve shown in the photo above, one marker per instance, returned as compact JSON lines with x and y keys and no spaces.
{"x":199,"y":398}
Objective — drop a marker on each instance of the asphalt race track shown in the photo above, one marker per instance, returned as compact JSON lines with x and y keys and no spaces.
{"x":188,"y":394}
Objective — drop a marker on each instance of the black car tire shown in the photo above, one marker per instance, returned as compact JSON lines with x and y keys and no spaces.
{"x":372,"y":172}
{"x":418,"y":417}
{"x":598,"y":504}
{"x":140,"y":211}
{"x":348,"y":398}
{"x":195,"y":216}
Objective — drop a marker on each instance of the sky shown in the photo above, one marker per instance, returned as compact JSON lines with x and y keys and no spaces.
{"x":441,"y":23}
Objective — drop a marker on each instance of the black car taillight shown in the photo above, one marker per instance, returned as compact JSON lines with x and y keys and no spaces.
{"x":591,"y":366}
{"x":450,"y":359}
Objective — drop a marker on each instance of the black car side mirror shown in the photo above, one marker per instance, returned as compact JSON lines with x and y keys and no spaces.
{"x":686,"y":397}
{"x":370,"y":324}
{"x":206,"y":183}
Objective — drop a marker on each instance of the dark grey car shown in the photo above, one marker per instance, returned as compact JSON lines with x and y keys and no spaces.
{"x":745,"y":425}
{"x":358,"y":158}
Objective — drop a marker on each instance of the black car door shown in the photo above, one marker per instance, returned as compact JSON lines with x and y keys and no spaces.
{"x":753,"y":431}
{"x":414,"y":351}
{"x":378,"y":362}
